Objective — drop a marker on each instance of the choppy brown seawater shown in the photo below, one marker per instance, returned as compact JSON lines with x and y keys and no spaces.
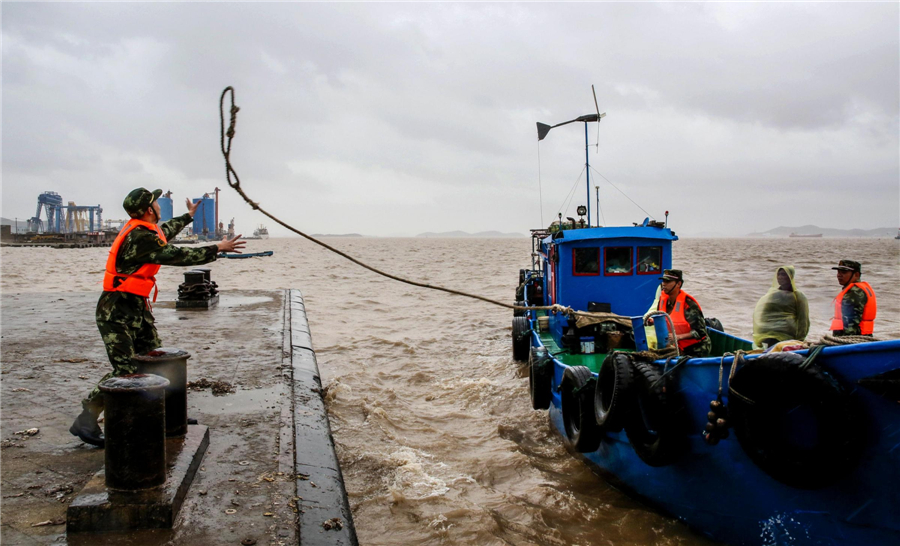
{"x":435,"y":433}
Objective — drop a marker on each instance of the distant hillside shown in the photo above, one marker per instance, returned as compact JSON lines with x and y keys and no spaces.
{"x":22,"y":224}
{"x":483,"y":234}
{"x":783,"y":231}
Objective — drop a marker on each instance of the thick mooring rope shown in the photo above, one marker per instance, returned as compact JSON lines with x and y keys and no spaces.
{"x":235,"y":182}
{"x":833,"y":341}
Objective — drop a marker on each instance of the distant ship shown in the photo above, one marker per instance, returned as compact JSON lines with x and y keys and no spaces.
{"x":798,"y":235}
{"x":260,"y":233}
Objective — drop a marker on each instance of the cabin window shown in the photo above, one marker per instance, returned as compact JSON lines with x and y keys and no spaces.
{"x":617,"y":260}
{"x":586,"y":261}
{"x":649,"y":260}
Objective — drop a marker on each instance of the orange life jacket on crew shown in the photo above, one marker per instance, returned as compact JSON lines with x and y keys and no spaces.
{"x":867,"y":323}
{"x":682,"y":326}
{"x":142,"y":281}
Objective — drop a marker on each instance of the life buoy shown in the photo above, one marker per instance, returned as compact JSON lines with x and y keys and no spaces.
{"x":653,"y":427}
{"x":521,"y":338}
{"x":798,"y":424}
{"x":576,"y":392}
{"x":540,"y":378}
{"x":613,"y":394}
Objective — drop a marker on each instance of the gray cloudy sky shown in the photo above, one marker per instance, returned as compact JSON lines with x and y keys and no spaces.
{"x":393,"y":119}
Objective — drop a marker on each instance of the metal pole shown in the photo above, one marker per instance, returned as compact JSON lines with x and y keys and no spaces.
{"x":598,"y":205}
{"x":587,"y":169}
{"x":17,"y":230}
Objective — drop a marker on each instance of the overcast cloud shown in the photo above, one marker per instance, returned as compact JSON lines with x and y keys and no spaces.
{"x":394,"y":119}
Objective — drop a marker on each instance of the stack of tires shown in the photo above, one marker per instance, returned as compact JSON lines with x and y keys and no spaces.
{"x":626,"y":394}
{"x":796,"y":421}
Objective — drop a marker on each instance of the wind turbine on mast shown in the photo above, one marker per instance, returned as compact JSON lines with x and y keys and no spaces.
{"x":543,"y":129}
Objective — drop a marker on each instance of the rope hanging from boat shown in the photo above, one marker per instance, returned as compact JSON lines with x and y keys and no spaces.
{"x":226,"y":136}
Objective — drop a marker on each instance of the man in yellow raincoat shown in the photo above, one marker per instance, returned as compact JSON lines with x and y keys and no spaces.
{"x":783,"y":313}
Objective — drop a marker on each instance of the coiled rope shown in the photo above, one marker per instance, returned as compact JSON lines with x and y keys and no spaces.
{"x":226,"y":136}
{"x":832,"y":341}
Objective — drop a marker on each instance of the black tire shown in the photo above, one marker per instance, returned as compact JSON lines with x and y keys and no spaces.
{"x":577,"y":411}
{"x":521,"y":338}
{"x":521,"y":276}
{"x":516,"y":312}
{"x":652,"y":426}
{"x":613,"y":395}
{"x":800,"y":426}
{"x":540,"y":378}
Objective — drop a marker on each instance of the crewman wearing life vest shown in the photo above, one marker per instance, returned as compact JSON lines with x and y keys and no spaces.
{"x":124,"y":315}
{"x":687,"y":317}
{"x":855,"y":306}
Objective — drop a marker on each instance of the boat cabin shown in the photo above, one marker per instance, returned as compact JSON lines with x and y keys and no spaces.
{"x":603,"y":269}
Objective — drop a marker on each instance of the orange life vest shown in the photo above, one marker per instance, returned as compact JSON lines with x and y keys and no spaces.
{"x":682,"y":326}
{"x":867,"y":323}
{"x":142,"y":281}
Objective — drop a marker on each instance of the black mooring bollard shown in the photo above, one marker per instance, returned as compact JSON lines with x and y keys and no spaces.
{"x":135,"y":428}
{"x":170,"y":363}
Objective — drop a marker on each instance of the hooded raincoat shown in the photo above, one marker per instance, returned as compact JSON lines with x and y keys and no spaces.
{"x":781,"y":314}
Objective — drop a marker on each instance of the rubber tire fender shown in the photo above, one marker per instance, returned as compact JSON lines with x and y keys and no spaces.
{"x":521,"y":338}
{"x":577,"y":409}
{"x":522,"y":275}
{"x":614,"y":394}
{"x":808,"y":454}
{"x":516,"y":312}
{"x":540,"y":378}
{"x":653,"y":427}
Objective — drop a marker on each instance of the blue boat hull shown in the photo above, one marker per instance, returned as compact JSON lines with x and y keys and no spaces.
{"x":721,"y":493}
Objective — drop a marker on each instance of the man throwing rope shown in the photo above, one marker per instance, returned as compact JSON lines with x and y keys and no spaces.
{"x":124,"y":315}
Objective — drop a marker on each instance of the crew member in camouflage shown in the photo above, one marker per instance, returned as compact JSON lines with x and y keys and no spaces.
{"x":125,"y":320}
{"x":854,"y":301}
{"x":672,"y":281}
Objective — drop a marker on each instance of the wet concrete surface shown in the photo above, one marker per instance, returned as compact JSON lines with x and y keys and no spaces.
{"x":52,"y":355}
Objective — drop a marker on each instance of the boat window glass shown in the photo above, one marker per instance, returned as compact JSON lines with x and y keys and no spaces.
{"x":586,"y":261}
{"x":649,"y":260}
{"x":617,"y":261}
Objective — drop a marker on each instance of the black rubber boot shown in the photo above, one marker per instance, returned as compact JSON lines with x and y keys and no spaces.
{"x":86,"y":427}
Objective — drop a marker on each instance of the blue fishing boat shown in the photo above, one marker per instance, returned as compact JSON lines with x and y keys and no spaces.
{"x":800,"y":447}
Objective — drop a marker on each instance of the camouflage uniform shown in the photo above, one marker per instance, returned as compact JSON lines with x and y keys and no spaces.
{"x":852,"y":306}
{"x":694,"y":316}
{"x":125,"y":320}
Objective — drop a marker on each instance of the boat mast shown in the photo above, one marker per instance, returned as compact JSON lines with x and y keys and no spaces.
{"x":587,"y":171}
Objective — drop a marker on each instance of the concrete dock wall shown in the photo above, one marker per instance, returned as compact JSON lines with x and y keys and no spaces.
{"x":320,"y":485}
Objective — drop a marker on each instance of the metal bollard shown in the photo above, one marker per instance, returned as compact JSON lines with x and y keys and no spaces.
{"x":171,"y":364}
{"x":135,"y":428}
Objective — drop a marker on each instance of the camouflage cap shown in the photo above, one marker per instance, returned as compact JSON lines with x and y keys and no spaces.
{"x":139,"y":200}
{"x":672,"y":275}
{"x":848,"y":265}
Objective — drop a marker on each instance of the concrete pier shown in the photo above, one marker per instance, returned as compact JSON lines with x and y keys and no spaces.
{"x":269,"y":438}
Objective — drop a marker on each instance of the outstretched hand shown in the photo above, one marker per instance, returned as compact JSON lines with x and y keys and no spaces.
{"x":192,"y":207}
{"x":231,"y":245}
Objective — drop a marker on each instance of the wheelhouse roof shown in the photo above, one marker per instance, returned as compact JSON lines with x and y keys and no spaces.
{"x":622,"y":232}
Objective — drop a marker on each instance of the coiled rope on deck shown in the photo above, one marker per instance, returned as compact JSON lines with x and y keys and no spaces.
{"x":226,"y":136}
